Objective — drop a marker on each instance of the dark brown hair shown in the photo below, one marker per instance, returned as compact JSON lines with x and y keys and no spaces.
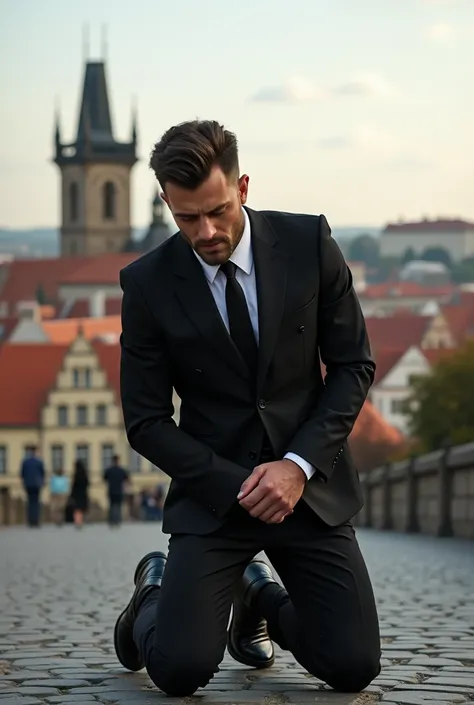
{"x":186,"y":153}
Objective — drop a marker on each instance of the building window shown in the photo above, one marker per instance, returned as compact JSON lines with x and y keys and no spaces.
{"x":3,"y":460}
{"x":107,"y":455}
{"x":134,"y":461}
{"x":82,"y":453}
{"x":57,"y":457}
{"x":62,"y":415}
{"x":108,"y":210}
{"x":398,"y":406}
{"x":81,"y":415}
{"x":73,"y":201}
{"x":82,"y":378}
{"x":101,"y":415}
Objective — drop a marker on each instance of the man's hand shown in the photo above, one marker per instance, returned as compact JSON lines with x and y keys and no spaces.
{"x":272,"y":490}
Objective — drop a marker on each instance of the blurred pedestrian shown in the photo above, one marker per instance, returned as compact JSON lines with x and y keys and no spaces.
{"x":58,"y":489}
{"x":33,"y":477}
{"x":80,"y":493}
{"x":116,"y":478}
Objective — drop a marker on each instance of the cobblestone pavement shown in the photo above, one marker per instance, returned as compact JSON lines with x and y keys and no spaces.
{"x":61,"y":591}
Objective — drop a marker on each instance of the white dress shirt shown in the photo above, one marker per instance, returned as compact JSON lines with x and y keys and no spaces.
{"x":242,"y":257}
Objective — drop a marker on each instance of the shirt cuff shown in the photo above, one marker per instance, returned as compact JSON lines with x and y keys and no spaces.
{"x":306,"y":467}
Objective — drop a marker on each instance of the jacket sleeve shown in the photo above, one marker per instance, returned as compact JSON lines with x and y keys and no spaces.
{"x":146,"y":385}
{"x":345,"y":351}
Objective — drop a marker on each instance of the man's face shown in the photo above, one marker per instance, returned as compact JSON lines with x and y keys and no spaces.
{"x":210,"y":217}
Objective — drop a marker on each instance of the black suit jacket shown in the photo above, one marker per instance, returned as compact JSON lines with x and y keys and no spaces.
{"x":173,"y":336}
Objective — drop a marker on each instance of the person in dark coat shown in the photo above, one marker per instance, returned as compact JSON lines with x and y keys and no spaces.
{"x":116,"y":478}
{"x":33,"y":475}
{"x":80,"y":492}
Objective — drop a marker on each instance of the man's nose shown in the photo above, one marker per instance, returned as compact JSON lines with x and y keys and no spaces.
{"x":206,"y":229}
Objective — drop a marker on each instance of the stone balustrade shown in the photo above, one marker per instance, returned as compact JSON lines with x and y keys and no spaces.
{"x":430,"y":494}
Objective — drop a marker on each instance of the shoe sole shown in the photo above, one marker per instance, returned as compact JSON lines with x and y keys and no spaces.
{"x":153,"y":554}
{"x":247,"y":662}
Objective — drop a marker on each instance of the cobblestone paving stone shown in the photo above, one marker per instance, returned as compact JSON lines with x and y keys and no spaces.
{"x":61,"y":591}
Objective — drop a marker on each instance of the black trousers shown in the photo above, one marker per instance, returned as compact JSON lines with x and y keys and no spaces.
{"x":33,"y":508}
{"x":115,"y":510}
{"x":326,"y":616}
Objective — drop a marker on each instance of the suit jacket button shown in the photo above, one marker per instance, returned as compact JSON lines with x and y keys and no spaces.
{"x":301,"y":329}
{"x":252,"y":455}
{"x":262,"y":404}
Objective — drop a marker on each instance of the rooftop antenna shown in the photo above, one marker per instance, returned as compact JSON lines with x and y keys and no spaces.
{"x":85,"y":42}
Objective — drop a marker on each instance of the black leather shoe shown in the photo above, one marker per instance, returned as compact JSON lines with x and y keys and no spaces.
{"x":148,"y":575}
{"x":248,"y":641}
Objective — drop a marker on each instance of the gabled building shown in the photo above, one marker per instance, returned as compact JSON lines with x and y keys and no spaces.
{"x":64,"y":399}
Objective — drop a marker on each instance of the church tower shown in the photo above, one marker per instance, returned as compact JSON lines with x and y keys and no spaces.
{"x":95,"y":175}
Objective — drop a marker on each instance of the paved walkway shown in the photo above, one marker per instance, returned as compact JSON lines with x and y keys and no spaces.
{"x":61,"y":591}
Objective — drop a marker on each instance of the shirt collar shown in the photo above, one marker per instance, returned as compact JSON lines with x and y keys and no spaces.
{"x":242,"y":256}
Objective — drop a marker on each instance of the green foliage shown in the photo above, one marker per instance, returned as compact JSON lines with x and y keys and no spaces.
{"x":441,"y":407}
{"x":41,"y":297}
{"x":462,"y":272}
{"x":364,"y":248}
{"x":408,"y":255}
{"x":437,"y":254}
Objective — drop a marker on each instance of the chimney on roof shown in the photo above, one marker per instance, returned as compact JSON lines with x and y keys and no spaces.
{"x":97,"y":304}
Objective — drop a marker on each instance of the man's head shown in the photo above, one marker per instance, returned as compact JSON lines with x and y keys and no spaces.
{"x":197,"y":166}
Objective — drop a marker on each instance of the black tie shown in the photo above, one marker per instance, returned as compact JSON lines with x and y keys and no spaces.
{"x":240,"y":325}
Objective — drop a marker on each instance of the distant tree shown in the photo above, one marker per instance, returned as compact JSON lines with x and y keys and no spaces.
{"x":387,"y":268}
{"x":41,"y":297}
{"x":364,"y":248}
{"x":440,"y":409}
{"x":408,"y":255}
{"x":437,"y":254}
{"x":463,"y":272}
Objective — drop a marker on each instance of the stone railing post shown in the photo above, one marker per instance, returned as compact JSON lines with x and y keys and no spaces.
{"x":445,"y":494}
{"x":387,"y":519}
{"x":412,"y":524}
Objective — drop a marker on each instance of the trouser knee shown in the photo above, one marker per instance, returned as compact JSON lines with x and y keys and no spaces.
{"x":180,"y":676}
{"x":352,"y":675}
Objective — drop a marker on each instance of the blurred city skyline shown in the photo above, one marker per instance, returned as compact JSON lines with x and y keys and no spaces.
{"x":363,"y":112}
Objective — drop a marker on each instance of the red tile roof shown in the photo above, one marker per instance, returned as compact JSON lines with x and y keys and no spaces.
{"x":460,"y":320}
{"x":392,"y":290}
{"x":430,"y":226}
{"x":81,"y":308}
{"x":109,"y":358}
{"x":103,"y":269}
{"x":24,"y":276}
{"x":25,"y":386}
{"x":396,"y":332}
{"x":65,"y":330}
{"x":385,"y":360}
{"x":373,"y":428}
{"x":27,"y":373}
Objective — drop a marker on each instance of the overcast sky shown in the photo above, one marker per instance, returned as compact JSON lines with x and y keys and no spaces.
{"x":360,"y":110}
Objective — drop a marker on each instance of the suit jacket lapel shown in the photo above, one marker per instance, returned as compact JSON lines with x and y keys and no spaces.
{"x":271,"y":276}
{"x":192,"y":290}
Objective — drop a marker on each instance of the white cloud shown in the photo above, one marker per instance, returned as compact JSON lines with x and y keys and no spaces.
{"x":370,"y":84}
{"x":292,"y":91}
{"x":298,"y":90}
{"x":441,"y":32}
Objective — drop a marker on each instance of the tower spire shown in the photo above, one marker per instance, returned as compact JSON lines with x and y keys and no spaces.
{"x":85,"y":42}
{"x":134,"y":120}
{"x":104,"y":44}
